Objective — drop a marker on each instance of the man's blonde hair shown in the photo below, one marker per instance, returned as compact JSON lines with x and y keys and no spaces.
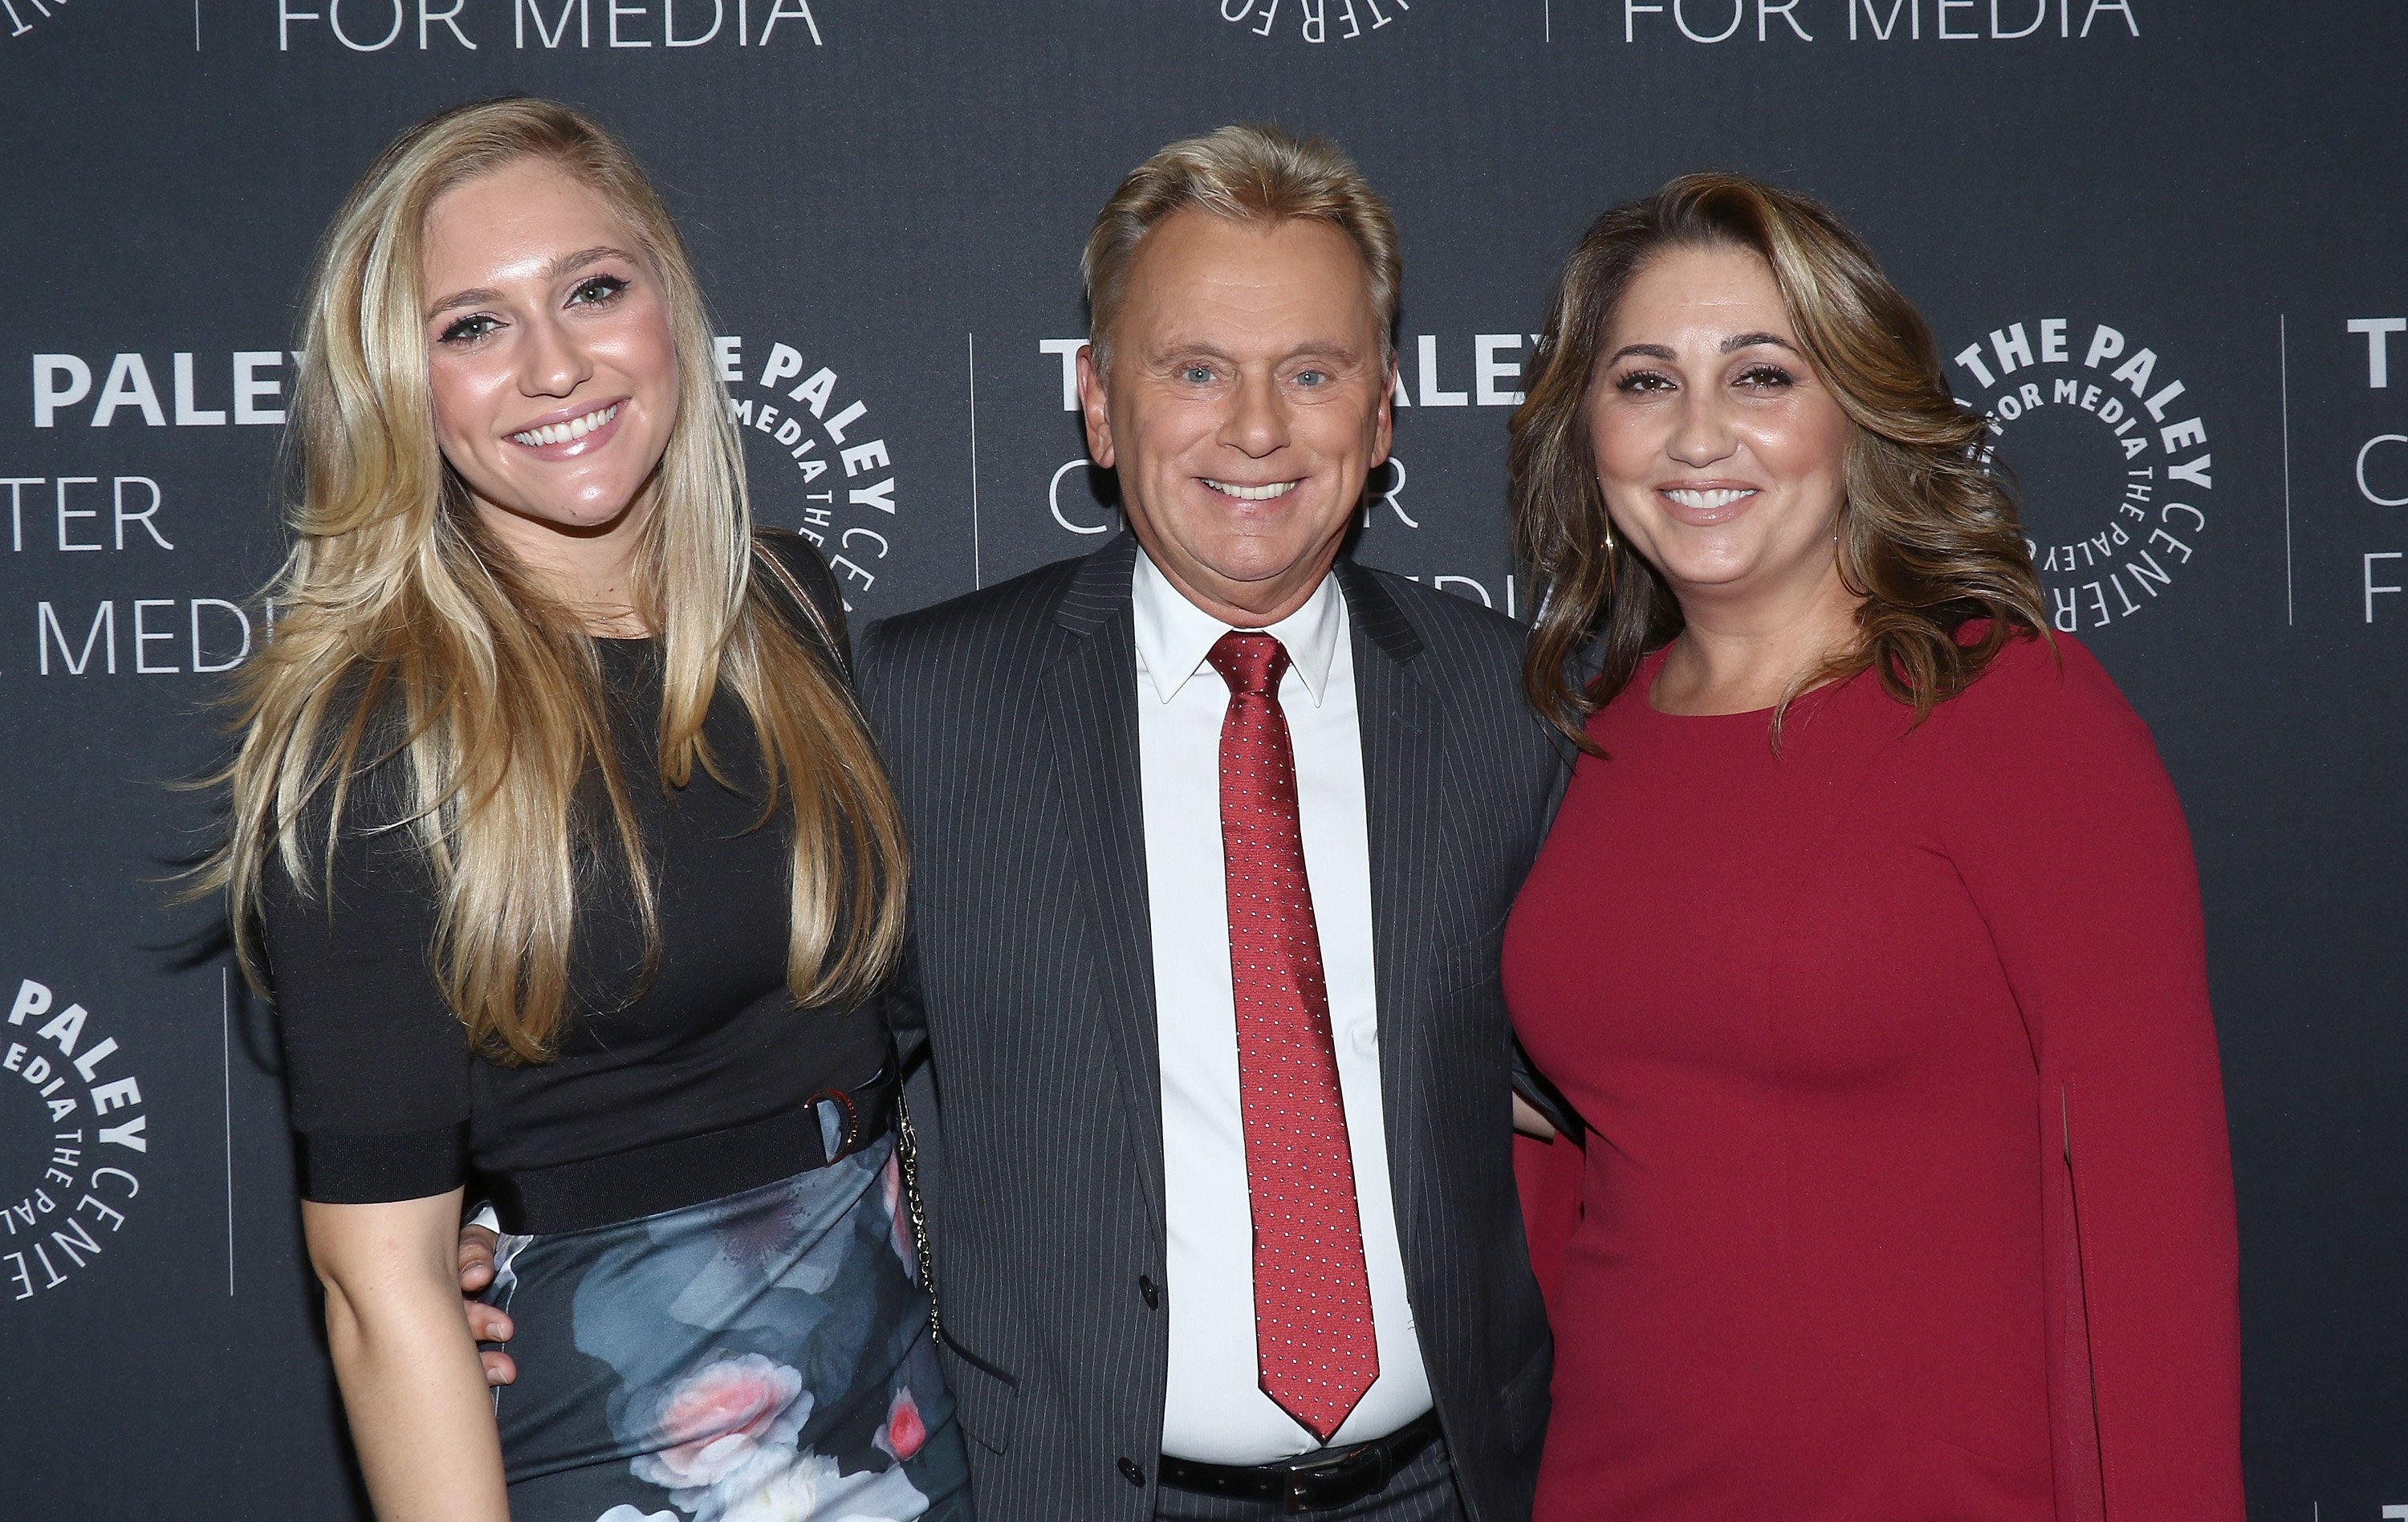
{"x":1246,"y":173}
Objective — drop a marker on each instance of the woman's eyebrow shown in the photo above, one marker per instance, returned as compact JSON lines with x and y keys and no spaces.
{"x":1645,"y":350}
{"x":568,"y":263}
{"x":1749,"y":340}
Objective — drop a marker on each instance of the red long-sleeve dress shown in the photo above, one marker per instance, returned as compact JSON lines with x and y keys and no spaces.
{"x":1907,"y":1193}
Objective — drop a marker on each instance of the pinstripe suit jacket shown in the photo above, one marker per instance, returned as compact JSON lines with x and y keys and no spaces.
{"x":1009,"y":721}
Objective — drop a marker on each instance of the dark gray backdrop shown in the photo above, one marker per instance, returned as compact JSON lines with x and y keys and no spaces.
{"x":896,"y":192}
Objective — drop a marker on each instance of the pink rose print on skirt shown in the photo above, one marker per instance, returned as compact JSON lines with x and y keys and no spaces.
{"x":904,"y":1431}
{"x":719,"y":1416}
{"x":762,"y":1357}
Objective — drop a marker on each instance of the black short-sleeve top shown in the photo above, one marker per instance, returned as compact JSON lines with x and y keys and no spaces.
{"x":387,"y":1099}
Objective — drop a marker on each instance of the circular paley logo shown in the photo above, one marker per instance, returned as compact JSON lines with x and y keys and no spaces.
{"x":76,"y":1143}
{"x":1310,"y":21}
{"x":817,"y":458}
{"x":2110,"y":460}
{"x":24,"y":15}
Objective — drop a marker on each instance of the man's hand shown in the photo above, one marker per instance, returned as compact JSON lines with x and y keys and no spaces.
{"x":485,"y":1323}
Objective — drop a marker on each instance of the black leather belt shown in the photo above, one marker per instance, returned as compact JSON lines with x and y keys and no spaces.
{"x":1314,"y":1481}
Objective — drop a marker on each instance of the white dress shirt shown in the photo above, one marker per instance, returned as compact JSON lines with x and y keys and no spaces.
{"x":1216,"y":1412}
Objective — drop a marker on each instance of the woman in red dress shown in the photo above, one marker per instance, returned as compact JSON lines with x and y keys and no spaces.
{"x":1867,"y":943}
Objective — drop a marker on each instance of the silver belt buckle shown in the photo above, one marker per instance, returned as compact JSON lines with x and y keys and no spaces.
{"x":1301,"y":1476}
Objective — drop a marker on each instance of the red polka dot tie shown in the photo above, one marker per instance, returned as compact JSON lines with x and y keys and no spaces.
{"x":1313,"y":1340}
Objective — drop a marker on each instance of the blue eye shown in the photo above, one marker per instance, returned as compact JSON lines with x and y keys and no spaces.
{"x":598,"y":290}
{"x":1195,"y":375}
{"x":469,"y":329}
{"x":1312,"y":378}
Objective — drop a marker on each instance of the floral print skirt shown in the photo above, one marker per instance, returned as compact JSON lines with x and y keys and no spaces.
{"x":763,"y":1357}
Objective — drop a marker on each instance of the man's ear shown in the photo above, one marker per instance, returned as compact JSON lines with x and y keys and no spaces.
{"x":1093,"y":408}
{"x":1384,"y":428}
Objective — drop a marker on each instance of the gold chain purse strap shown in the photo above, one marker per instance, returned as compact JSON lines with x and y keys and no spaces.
{"x":907,"y":1141}
{"x":906,"y":1149}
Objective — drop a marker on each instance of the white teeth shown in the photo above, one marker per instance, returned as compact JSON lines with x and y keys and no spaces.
{"x":1252,"y":493}
{"x":1721,"y":497}
{"x":561,"y":433}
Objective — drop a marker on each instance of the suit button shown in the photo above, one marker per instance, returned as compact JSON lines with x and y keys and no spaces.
{"x":1151,"y":1291}
{"x":1132,"y":1474}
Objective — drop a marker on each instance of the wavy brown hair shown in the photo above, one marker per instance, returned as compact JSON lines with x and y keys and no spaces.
{"x":410,"y":647}
{"x":1928,"y":539}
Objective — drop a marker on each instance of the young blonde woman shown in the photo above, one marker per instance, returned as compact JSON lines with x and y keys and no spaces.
{"x":570,"y":867}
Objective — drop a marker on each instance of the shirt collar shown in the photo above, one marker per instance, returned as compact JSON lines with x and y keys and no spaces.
{"x":1174,"y":636}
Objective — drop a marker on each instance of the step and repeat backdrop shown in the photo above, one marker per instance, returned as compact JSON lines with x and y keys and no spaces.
{"x":2162,"y":241}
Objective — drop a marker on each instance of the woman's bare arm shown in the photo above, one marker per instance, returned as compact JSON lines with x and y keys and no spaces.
{"x":421,"y":1416}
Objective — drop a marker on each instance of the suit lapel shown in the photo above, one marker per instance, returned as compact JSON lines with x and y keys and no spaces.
{"x":1091,"y":710}
{"x":1404,"y":759}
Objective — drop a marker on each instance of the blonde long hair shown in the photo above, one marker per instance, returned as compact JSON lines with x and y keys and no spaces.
{"x":409,"y":642}
{"x":1928,"y":539}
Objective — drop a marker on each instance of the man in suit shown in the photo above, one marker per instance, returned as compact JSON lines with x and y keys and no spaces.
{"x":1207,"y":921}
{"x":1213,"y":833}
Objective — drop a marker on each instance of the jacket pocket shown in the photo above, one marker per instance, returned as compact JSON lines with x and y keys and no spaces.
{"x":987,"y":1399}
{"x":1467,"y":964}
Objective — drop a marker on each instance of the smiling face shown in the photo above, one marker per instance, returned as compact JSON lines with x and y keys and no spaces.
{"x":552,"y":366}
{"x":1246,"y":405}
{"x":1722,"y":455}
